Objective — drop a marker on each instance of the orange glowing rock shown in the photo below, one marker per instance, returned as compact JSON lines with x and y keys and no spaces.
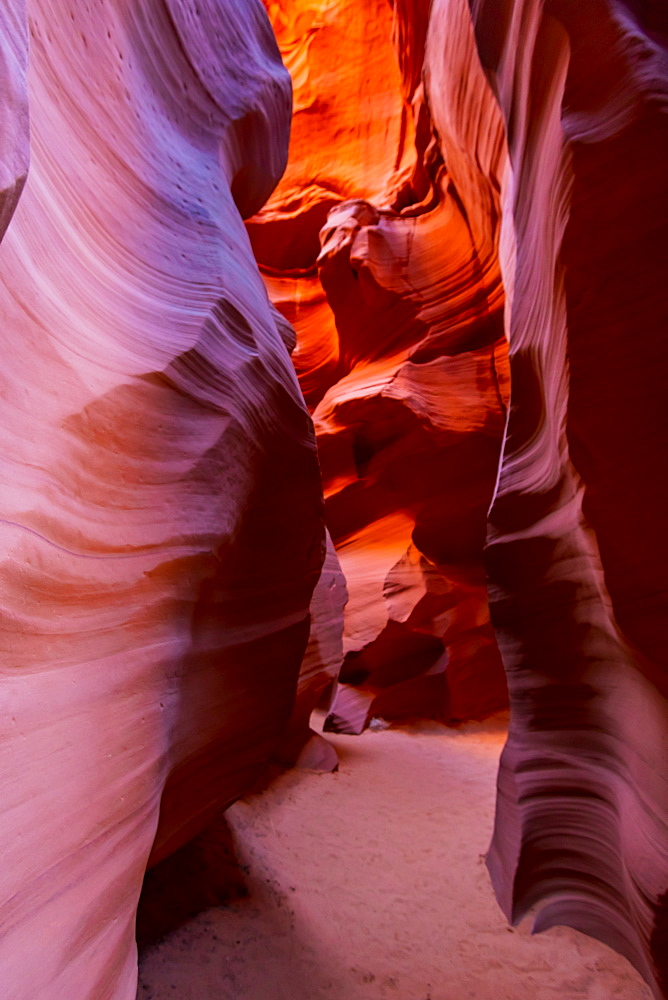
{"x":301,"y":746}
{"x":397,"y":304}
{"x":475,"y":196}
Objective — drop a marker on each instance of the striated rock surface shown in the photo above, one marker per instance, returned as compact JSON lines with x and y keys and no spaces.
{"x":14,"y":128}
{"x":161,"y":525}
{"x":575,"y":553}
{"x":499,"y":182}
{"x":395,"y":293}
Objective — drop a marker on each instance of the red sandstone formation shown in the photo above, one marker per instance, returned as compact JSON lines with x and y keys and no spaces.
{"x":398,"y":310}
{"x":161,"y":510}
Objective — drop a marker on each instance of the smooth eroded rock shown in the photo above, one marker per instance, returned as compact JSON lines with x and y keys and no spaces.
{"x":394,"y":288}
{"x":161,"y":509}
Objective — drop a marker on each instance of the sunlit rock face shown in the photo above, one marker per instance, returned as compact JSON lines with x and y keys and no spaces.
{"x":394,"y":289}
{"x":161,"y":508}
{"x":576,"y":552}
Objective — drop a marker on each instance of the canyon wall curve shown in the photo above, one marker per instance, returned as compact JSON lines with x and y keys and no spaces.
{"x":162,"y":523}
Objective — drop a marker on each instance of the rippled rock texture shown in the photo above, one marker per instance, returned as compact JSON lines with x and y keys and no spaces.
{"x":519,"y":147}
{"x":395,"y":293}
{"x":161,"y":507}
{"x":576,"y":549}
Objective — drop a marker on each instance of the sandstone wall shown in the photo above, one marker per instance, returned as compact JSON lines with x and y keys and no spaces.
{"x":467,"y":180}
{"x":161,"y":517}
{"x":395,"y":293}
{"x":575,"y":544}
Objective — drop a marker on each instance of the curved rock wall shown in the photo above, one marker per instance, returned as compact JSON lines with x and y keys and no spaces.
{"x":502,"y":173}
{"x":575,"y":540}
{"x":319,"y":672}
{"x":161,"y":514}
{"x":398,"y":310}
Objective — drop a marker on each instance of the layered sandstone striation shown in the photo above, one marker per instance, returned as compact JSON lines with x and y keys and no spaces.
{"x":395,"y":293}
{"x":14,"y":127}
{"x":161,"y":514}
{"x":575,"y":544}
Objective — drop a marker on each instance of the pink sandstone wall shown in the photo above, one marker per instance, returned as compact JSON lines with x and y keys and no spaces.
{"x":161,"y":526}
{"x":575,"y":544}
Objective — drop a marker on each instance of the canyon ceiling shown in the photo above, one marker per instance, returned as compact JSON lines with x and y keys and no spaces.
{"x":465,"y":254}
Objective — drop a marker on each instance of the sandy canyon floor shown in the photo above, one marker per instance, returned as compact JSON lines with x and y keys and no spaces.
{"x":370,"y":883}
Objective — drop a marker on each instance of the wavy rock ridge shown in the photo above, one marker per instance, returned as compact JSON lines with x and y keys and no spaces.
{"x":161,"y":508}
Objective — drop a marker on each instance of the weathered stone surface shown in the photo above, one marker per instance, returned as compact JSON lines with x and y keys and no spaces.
{"x":161,"y":510}
{"x":499,"y":181}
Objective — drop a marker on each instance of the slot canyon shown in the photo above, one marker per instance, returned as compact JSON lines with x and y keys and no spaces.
{"x":335,"y":466}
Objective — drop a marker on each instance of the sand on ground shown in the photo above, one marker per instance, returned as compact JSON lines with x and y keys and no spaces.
{"x":370,"y":883}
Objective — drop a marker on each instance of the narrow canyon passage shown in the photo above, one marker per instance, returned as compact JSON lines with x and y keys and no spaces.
{"x":333,"y":380}
{"x":370,"y":883}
